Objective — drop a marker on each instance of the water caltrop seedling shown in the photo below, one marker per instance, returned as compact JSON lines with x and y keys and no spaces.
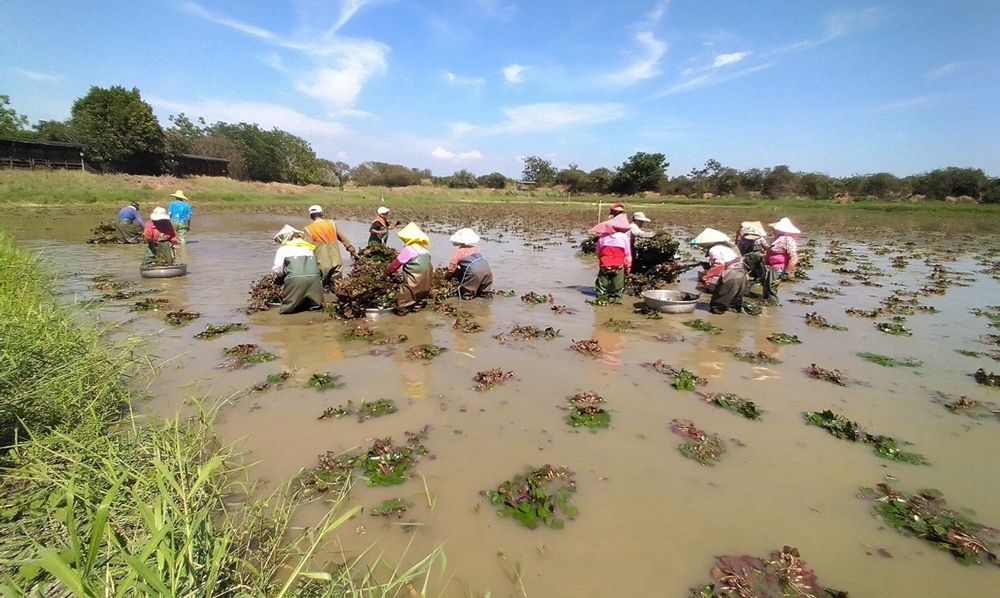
{"x":781,"y":338}
{"x":537,"y":497}
{"x":214,"y":330}
{"x":733,"y":403}
{"x":783,"y":575}
{"x":246,"y":354}
{"x":587,"y":411}
{"x":324,"y":381}
{"x":702,"y":447}
{"x":845,"y":429}
{"x":703,"y":326}
{"x":178,"y":317}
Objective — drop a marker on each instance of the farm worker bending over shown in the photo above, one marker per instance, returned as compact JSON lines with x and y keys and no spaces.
{"x":638,"y":220}
{"x":414,"y":262}
{"x":130,"y":225}
{"x":324,"y":234}
{"x":751,"y":240}
{"x":378,"y":234}
{"x":469,"y":266}
{"x":725,"y":275}
{"x":781,"y":259}
{"x":160,"y":239}
{"x":298,"y":273}
{"x":614,"y":255}
{"x":180,"y":215}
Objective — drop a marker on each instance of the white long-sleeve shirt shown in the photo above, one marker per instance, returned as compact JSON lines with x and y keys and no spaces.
{"x":287,"y":251}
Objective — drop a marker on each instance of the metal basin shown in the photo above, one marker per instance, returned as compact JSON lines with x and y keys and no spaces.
{"x":163,"y":271}
{"x":670,"y":302}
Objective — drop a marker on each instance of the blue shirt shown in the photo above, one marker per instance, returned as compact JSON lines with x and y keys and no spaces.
{"x":130,"y":213}
{"x":179,"y":211}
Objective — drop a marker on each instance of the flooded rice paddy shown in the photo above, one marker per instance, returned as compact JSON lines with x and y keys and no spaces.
{"x":650,"y":520}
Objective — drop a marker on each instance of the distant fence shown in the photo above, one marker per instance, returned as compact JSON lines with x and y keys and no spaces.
{"x":188,"y":165}
{"x":36,"y":155}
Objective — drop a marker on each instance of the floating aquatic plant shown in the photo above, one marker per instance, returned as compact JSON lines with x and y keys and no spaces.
{"x":365,"y":410}
{"x":649,"y":314}
{"x":925,"y":515}
{"x":759,"y":357}
{"x":537,"y":497}
{"x":535,"y":298}
{"x":467,"y":325}
{"x":781,"y":338}
{"x":703,"y":326}
{"x":863,"y":313}
{"x":817,"y":321}
{"x":387,"y":464}
{"x":733,"y":403}
{"x":783,"y":575}
{"x":360,"y":332}
{"x":841,"y":427}
{"x":323,"y":381}
{"x":391,"y":507}
{"x":180,"y":316}
{"x":969,"y":407}
{"x":111,"y":284}
{"x":214,"y":330}
{"x":682,"y":378}
{"x":669,"y":338}
{"x":103,"y":234}
{"x":487,"y":379}
{"x":619,"y":325}
{"x":587,"y":411}
{"x":893,"y":328}
{"x":265,"y":292}
{"x":149,"y":304}
{"x":985,"y":379}
{"x":563,"y":310}
{"x":588,"y":347}
{"x":834,"y":376}
{"x":528,"y":332}
{"x":886,"y":361}
{"x":275,"y":380}
{"x":702,"y":447}
{"x":425,"y":352}
{"x":246,"y":354}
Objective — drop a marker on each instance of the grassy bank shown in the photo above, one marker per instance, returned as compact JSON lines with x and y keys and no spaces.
{"x":96,"y":503}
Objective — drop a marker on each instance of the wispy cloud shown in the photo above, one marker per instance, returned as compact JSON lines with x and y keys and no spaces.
{"x":266,"y":115}
{"x":843,"y":23}
{"x":646,"y":62}
{"x":909,"y":104}
{"x":725,"y":59}
{"x":659,"y":11}
{"x":439,"y":153}
{"x":454,"y":80}
{"x":497,"y":9}
{"x":712,"y":78}
{"x":541,"y":118}
{"x":40,"y":77}
{"x":339,"y":66}
{"x":946,"y":70}
{"x":513,"y":73}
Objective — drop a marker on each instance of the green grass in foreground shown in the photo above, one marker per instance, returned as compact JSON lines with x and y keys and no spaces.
{"x":95,"y":503}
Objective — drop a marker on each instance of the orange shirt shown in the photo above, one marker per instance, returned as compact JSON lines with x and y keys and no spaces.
{"x":323,"y":231}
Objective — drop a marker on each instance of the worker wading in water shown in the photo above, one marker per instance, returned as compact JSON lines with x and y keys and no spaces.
{"x":323,"y":233}
{"x":298,"y":272}
{"x":414,"y":263}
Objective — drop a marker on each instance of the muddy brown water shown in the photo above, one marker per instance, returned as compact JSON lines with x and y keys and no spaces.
{"x":650,"y":520}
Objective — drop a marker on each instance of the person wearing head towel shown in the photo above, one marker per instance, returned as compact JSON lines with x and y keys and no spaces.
{"x":725,"y":275}
{"x":414,"y":263}
{"x":614,"y":256}
{"x":298,"y":272}
{"x":130,"y":225}
{"x":781,"y":259}
{"x":469,"y":266}
{"x":160,"y":239}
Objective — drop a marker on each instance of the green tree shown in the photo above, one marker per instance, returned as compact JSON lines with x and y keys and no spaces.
{"x":12,"y":124}
{"x":538,"y":170}
{"x":642,"y":172}
{"x":599,"y":180}
{"x":54,"y":130}
{"x":818,"y":185}
{"x":463,"y":179}
{"x":179,"y":138}
{"x":779,"y":181}
{"x":574,"y":179}
{"x":120,"y":131}
{"x":494,"y":180}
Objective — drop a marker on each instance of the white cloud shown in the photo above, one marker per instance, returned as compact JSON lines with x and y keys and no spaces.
{"x":40,"y":77}
{"x":457,"y":81}
{"x":724,"y":59}
{"x":840,"y":24}
{"x":538,"y":118}
{"x":658,"y":12}
{"x":266,"y":115}
{"x":197,"y":10}
{"x":439,"y":153}
{"x":910,"y":104}
{"x":945,"y":70}
{"x":711,"y":79}
{"x":646,"y":64}
{"x":513,"y":73}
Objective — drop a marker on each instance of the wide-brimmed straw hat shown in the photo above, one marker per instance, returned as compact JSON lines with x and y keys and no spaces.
{"x":785,"y":226}
{"x":286,"y":233}
{"x":412,"y":235}
{"x":179,"y":195}
{"x":314,"y":209}
{"x":465,"y":236}
{"x":752,"y":229}
{"x":618,"y":224}
{"x":640,"y":217}
{"x":159,"y":214}
{"x":382,"y":211}
{"x":710,"y":237}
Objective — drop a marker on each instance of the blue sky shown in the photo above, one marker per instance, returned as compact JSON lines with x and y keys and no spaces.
{"x":838,"y":87}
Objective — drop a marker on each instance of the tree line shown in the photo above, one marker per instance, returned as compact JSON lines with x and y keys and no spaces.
{"x":122,"y":134}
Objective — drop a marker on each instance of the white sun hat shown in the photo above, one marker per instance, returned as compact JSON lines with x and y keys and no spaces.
{"x":710,"y":236}
{"x":465,"y":236}
{"x":286,"y":233}
{"x":159,"y":214}
{"x":382,"y":211}
{"x":640,"y":217}
{"x":314,"y":209}
{"x":785,"y":226}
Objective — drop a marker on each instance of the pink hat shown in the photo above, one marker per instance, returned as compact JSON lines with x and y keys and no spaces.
{"x":618,"y":224}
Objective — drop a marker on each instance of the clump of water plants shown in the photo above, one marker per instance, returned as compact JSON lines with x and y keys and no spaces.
{"x":391,"y":507}
{"x":324,"y":381}
{"x":149,"y":304}
{"x":589,"y":347}
{"x":655,"y":264}
{"x":275,"y":380}
{"x":247,"y":354}
{"x":841,"y":427}
{"x":360,"y":332}
{"x":969,"y":407}
{"x":781,"y":338}
{"x":110,"y":283}
{"x":894,"y":328}
{"x":925,"y":515}
{"x":985,"y":379}
{"x":487,"y":379}
{"x":425,"y":352}
{"x":537,"y":497}
{"x":103,"y":234}
{"x":563,"y":310}
{"x":683,"y":379}
{"x":889,"y":362}
{"x":783,"y":575}
{"x":833,"y":376}
{"x":180,"y":316}
{"x":365,"y":410}
{"x":383,"y":464}
{"x":649,"y":314}
{"x":534,"y":298}
{"x":586,"y":410}
{"x":467,"y":325}
{"x":265,"y":292}
{"x":702,"y":447}
{"x":863,"y":313}
{"x":817,"y":321}
{"x":214,"y":330}
{"x":619,"y":325}
{"x":759,"y":357}
{"x":669,"y":338}
{"x":703,"y":326}
{"x":733,"y":403}
{"x":366,"y":286}
{"x":528,"y":332}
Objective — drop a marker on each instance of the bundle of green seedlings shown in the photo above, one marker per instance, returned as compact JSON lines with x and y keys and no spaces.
{"x":181,"y":316}
{"x":893,"y":328}
{"x":244,"y":355}
{"x":619,"y":325}
{"x":985,"y":379}
{"x":840,"y":427}
{"x":537,"y":497}
{"x":924,"y":514}
{"x":487,"y":379}
{"x":706,"y":449}
{"x":392,"y":507}
{"x":733,"y":403}
{"x":425,"y":352}
{"x":272,"y":380}
{"x":366,"y":287}
{"x":759,"y":357}
{"x":149,"y":304}
{"x":103,"y":234}
{"x":888,"y":362}
{"x":783,"y":575}
{"x":589,"y":347}
{"x":817,"y":321}
{"x":683,"y":379}
{"x":532,"y":297}
{"x":586,"y":411}
{"x":324,"y":381}
{"x":365,"y":410}
{"x":214,"y":330}
{"x":382,"y":464}
{"x":703,"y":326}
{"x":832,"y":376}
{"x":265,"y":292}
{"x":467,"y":325}
{"x":528,"y":332}
{"x":782,"y":338}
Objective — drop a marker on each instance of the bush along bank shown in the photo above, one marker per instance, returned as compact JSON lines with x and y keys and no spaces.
{"x":95,"y":503}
